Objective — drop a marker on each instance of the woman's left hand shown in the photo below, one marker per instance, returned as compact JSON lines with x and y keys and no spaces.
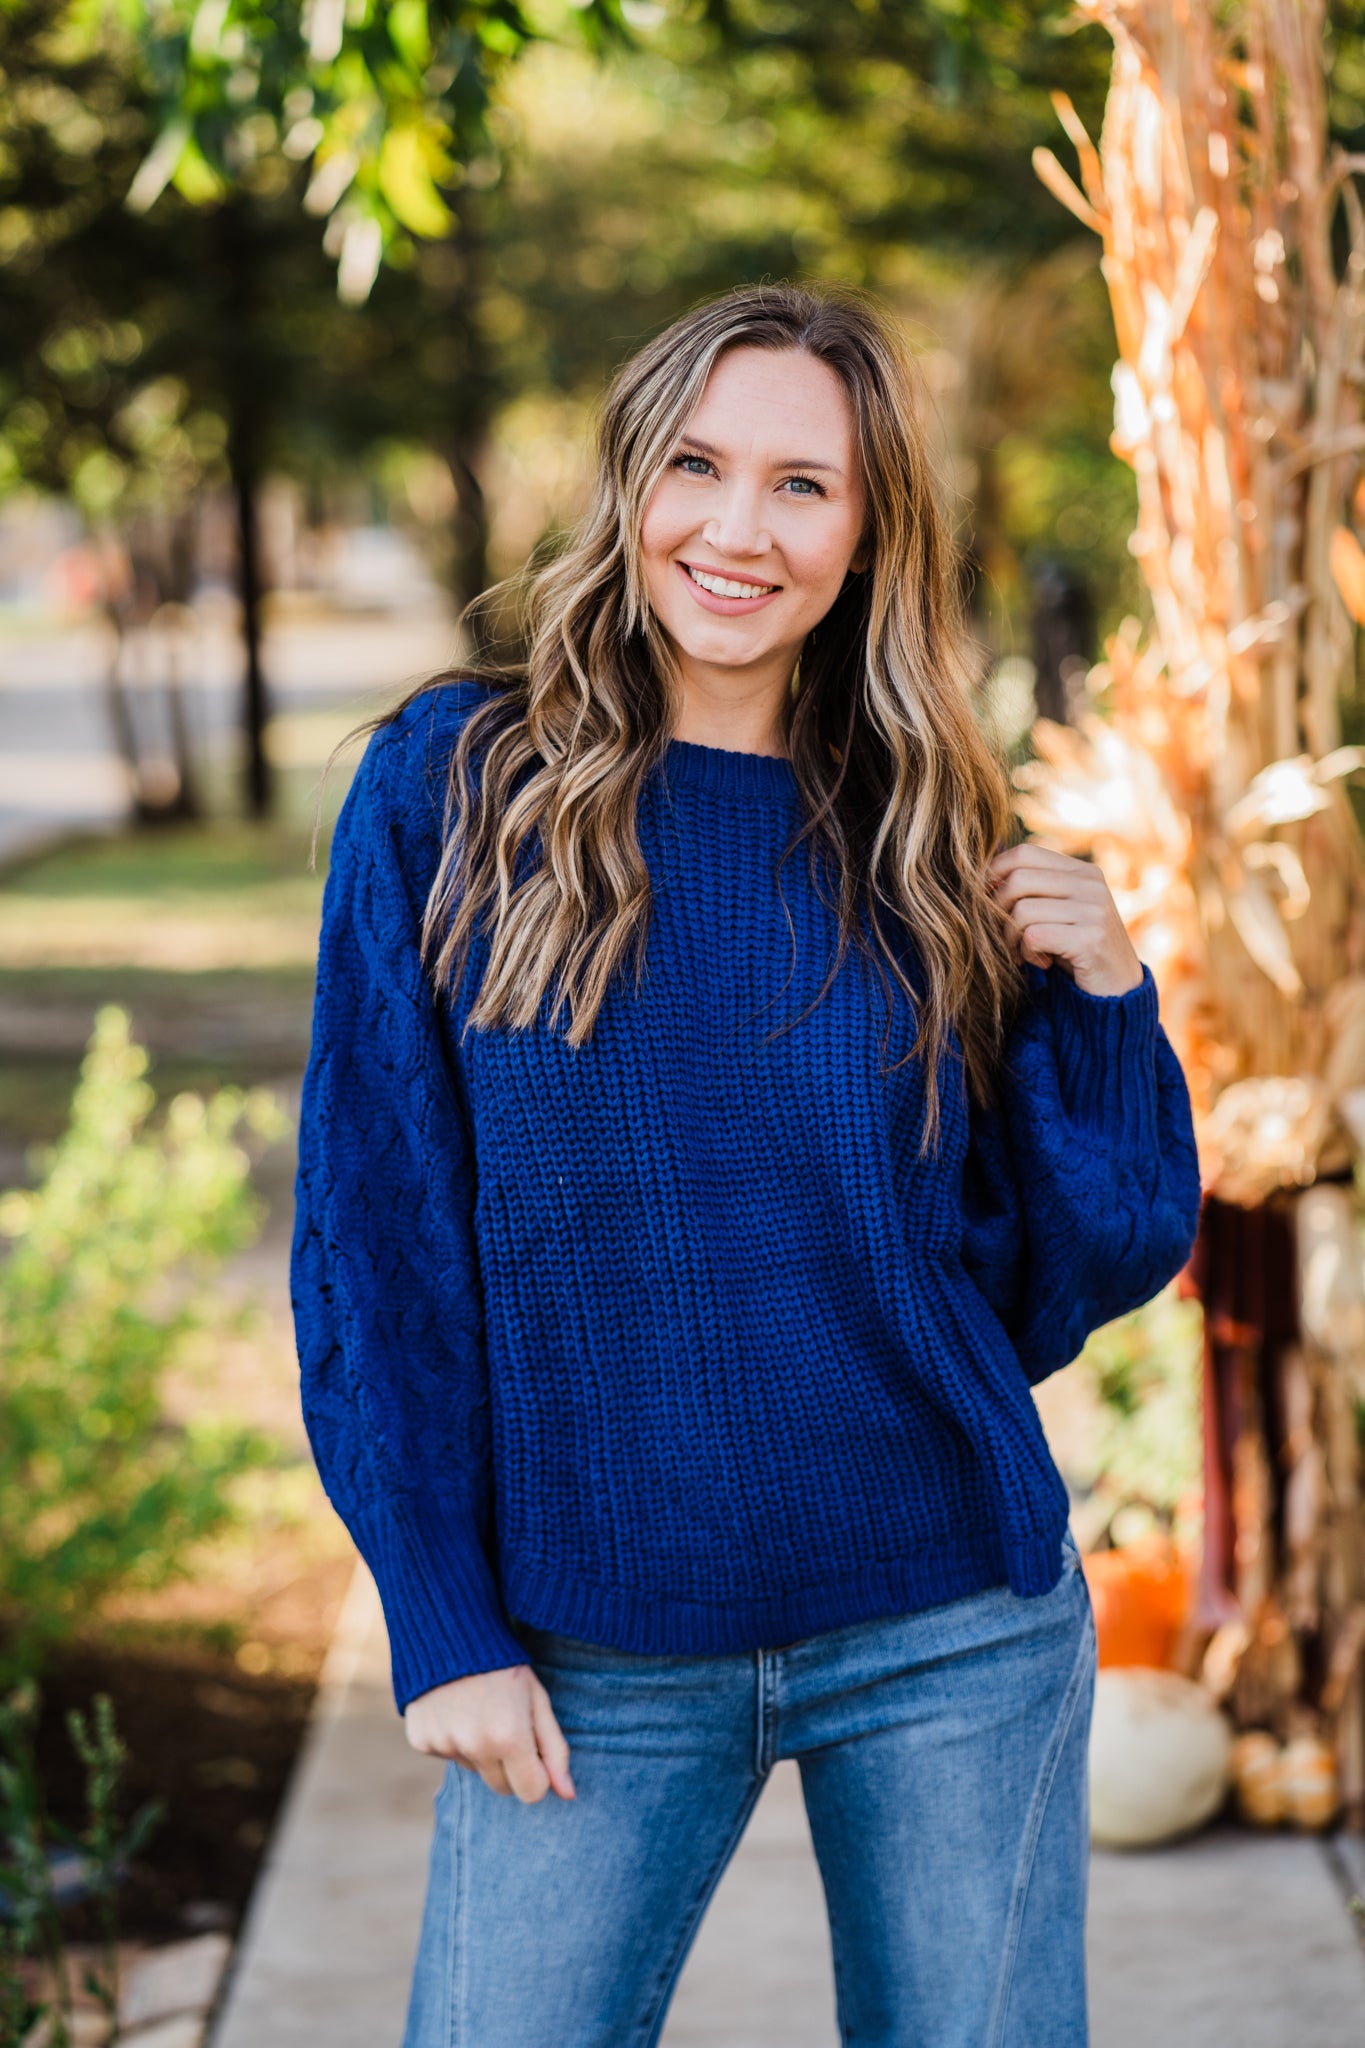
{"x":1063,"y":911}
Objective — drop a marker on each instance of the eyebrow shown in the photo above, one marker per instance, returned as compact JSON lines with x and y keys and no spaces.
{"x":705,"y":448}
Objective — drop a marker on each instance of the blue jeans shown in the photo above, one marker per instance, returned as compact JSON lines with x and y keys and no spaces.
{"x":943,"y":1766}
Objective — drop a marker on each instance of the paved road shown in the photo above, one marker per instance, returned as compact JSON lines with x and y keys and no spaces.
{"x":59,"y":768}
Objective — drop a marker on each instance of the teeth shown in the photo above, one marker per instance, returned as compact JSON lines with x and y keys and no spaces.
{"x":721,"y":586}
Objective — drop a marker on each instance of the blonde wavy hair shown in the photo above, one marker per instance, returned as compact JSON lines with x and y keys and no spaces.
{"x":903,"y":800}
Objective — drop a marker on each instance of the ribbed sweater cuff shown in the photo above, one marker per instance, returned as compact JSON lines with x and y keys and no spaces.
{"x":1106,"y":1058}
{"x":441,"y":1603}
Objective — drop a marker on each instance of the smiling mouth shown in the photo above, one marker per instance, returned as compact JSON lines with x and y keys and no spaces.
{"x":727,"y":586}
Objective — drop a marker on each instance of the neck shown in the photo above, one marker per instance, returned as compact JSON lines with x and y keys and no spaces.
{"x":741,"y":716}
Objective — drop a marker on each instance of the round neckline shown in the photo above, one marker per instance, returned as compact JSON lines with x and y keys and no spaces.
{"x":727,"y":770}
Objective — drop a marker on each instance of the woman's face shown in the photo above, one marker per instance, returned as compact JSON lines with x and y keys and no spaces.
{"x":756,"y":521}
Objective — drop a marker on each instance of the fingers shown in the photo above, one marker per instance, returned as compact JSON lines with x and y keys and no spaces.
{"x":1061,"y":909}
{"x":1057,"y":905}
{"x":506,"y":1762}
{"x":503,"y":1749}
{"x":1045,"y":927}
{"x":1044,"y":943}
{"x":1028,"y":854}
{"x":554,"y":1750}
{"x":531,"y":1759}
{"x":526,"y":1776}
{"x":498,"y":1724}
{"x":425,"y":1731}
{"x":1050,"y":932}
{"x":1030,"y":911}
{"x":1049,"y":874}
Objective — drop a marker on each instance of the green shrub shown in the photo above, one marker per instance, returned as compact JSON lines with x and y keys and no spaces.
{"x":107,"y":1282}
{"x":1146,"y":1371}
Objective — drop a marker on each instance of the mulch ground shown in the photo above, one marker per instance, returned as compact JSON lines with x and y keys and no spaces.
{"x":213,"y":1743}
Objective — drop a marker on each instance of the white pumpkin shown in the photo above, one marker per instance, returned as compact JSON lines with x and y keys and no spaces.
{"x":1160,"y":1754}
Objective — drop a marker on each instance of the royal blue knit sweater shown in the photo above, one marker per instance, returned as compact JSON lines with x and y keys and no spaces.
{"x":670,"y":1341}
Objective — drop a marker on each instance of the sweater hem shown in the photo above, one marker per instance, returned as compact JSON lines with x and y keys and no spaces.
{"x":653,"y":1623}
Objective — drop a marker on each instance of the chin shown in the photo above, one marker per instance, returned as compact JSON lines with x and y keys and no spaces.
{"x":720,"y":653}
{"x":719,"y":641}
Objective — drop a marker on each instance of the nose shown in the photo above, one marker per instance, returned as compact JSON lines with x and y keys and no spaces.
{"x":736,"y":526}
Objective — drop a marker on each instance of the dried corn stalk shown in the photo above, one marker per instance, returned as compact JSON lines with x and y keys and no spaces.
{"x":1213,"y":792}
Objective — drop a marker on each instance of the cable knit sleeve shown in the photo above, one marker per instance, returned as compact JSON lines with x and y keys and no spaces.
{"x":1081,"y":1190}
{"x":384,"y":1278}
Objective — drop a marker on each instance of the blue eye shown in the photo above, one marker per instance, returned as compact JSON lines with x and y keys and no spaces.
{"x":811,"y":488}
{"x":681,"y":461}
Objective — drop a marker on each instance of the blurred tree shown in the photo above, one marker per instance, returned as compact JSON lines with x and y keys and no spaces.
{"x":1064,"y":647}
{"x":386,"y":102}
{"x":887,"y":144}
{"x":890,"y":147}
{"x":364,"y":224}
{"x":742,"y":141}
{"x":195,"y":335}
{"x":82,"y":410}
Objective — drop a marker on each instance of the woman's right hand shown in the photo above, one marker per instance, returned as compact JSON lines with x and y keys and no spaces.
{"x":498,"y":1723}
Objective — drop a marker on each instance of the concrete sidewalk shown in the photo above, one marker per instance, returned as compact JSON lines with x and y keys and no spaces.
{"x":1227,"y":1939}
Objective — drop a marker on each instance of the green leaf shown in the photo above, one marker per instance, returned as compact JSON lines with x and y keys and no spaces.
{"x":406,"y":182}
{"x":142,"y":1827}
{"x":194,"y":177}
{"x":410,"y":33}
{"x":500,"y":37}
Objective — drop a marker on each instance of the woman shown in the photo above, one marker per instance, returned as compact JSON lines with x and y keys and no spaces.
{"x":707,"y":1140}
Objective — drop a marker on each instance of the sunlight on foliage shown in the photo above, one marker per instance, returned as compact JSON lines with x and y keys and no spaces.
{"x":1145,"y":1373}
{"x":384,"y":100}
{"x":108,"y":1280}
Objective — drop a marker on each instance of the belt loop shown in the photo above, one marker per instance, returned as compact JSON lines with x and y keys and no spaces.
{"x":765,"y":1692}
{"x":758,"y":1713}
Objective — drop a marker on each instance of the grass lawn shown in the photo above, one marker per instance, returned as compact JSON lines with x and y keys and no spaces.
{"x":205,"y":934}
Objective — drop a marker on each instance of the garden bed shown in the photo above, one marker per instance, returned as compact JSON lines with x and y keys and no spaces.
{"x":212,"y":1743}
{"x":212,"y":1677}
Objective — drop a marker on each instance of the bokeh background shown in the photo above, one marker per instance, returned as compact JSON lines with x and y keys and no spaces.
{"x":304,"y":311}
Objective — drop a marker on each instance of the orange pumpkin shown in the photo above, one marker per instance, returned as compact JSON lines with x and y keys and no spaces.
{"x":1141,"y":1596}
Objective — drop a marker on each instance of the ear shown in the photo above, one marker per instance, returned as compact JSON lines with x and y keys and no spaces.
{"x":862,"y":556}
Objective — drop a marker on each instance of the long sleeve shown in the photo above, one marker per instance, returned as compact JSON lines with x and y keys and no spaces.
{"x":1081,"y":1192}
{"x":384,"y":1278}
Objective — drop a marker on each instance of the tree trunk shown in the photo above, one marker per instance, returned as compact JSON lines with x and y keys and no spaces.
{"x":180,"y":561}
{"x":470,"y":528}
{"x":246,"y":420}
{"x":472,"y":402}
{"x":258,"y":783}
